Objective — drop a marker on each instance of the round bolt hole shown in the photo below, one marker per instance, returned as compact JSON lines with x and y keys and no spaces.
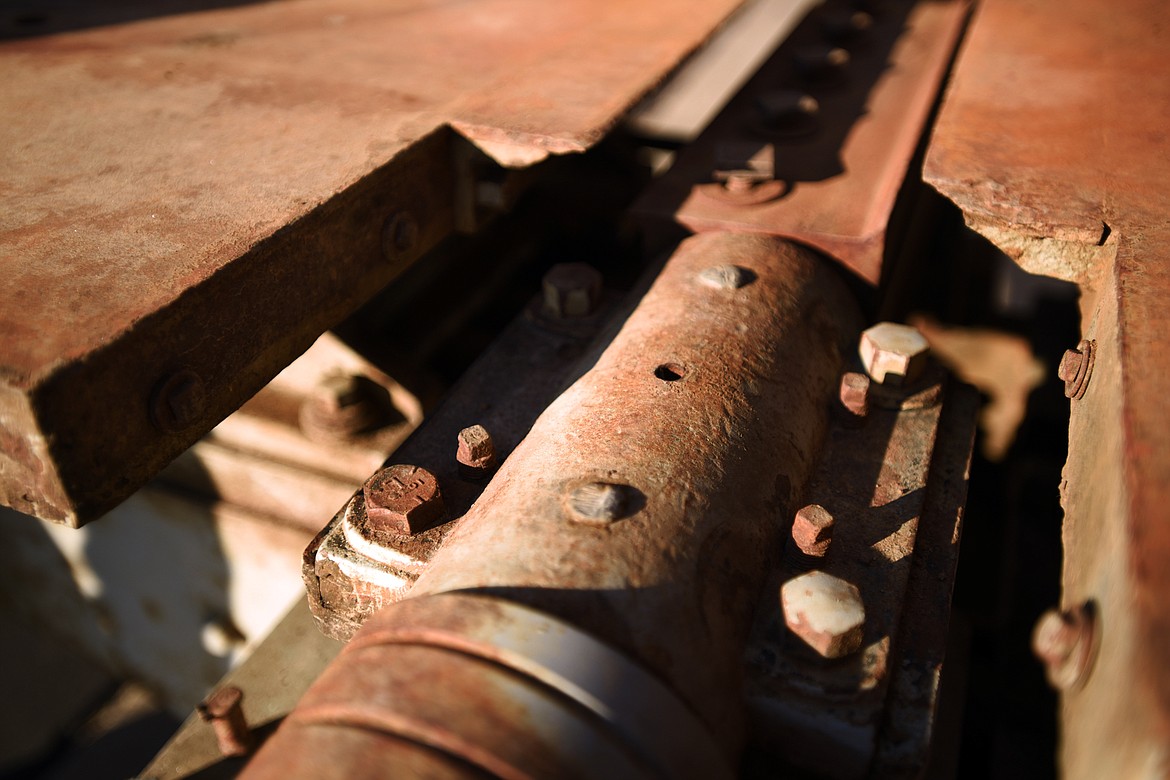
{"x":670,"y":372}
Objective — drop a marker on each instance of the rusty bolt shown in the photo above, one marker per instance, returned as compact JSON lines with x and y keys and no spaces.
{"x":788,"y":112}
{"x":826,"y":612}
{"x":571,"y":290}
{"x":1064,"y":641}
{"x":223,"y":711}
{"x":845,"y":26}
{"x":178,"y":401}
{"x":726,"y":277}
{"x":402,"y":499}
{"x":1076,"y":368}
{"x":599,"y":503}
{"x":477,"y":452}
{"x":343,"y":405}
{"x":893,"y":353}
{"x":820,"y":62}
{"x":812,"y":530}
{"x":854,"y":393}
{"x":399,"y":234}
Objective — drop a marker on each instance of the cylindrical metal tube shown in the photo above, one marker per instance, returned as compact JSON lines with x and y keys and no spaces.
{"x":647,"y":502}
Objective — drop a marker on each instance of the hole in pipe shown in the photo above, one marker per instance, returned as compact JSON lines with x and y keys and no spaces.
{"x":670,"y":372}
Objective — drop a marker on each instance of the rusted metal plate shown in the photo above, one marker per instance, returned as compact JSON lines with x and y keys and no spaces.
{"x":855,"y":152}
{"x":1052,"y":140}
{"x":189,"y":201}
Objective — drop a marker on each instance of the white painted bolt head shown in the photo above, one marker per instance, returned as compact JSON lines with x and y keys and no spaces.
{"x":893,"y":353}
{"x":824,"y":611}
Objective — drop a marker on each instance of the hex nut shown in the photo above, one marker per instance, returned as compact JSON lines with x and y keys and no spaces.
{"x":812,"y":530}
{"x":893,"y":353}
{"x":571,"y":290}
{"x":1076,"y":368}
{"x":826,"y":612}
{"x":342,"y":406}
{"x":402,"y":499}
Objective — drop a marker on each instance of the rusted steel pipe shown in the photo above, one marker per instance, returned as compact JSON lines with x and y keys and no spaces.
{"x":643,"y":507}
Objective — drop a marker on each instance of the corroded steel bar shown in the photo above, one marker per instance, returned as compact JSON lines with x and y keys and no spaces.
{"x":648,"y":501}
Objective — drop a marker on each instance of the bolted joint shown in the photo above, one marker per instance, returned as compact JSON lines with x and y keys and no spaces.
{"x":343,"y":406}
{"x":178,"y":401}
{"x":893,"y":354}
{"x":571,"y":290}
{"x":826,"y":612}
{"x":403,"y":500}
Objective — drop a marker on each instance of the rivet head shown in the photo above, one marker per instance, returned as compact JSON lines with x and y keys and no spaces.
{"x":726,"y":277}
{"x":178,"y":401}
{"x":402,"y":499}
{"x":600,"y":503}
{"x":400,"y":234}
{"x":826,"y":612}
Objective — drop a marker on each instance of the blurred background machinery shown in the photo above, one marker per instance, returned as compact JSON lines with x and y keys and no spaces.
{"x":617,"y":381}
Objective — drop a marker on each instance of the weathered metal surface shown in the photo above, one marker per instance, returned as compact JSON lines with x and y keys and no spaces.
{"x":492,"y":688}
{"x":190,"y":200}
{"x":504,"y":391}
{"x":692,"y":435}
{"x":871,"y":118}
{"x":1052,"y":141}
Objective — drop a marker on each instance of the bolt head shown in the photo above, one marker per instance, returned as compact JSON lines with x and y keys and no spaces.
{"x":476,"y":448}
{"x":402,"y":499}
{"x":400,"y":233}
{"x":826,"y":612}
{"x":571,"y":290}
{"x":1064,"y":642}
{"x":178,"y":401}
{"x":342,"y":406}
{"x":812,"y":530}
{"x":893,"y":354}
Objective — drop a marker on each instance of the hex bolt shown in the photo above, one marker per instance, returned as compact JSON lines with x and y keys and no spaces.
{"x":476,"y":453}
{"x":845,"y":26}
{"x":1076,"y":368}
{"x":402,"y":499}
{"x":826,"y":612}
{"x":854,"y":394}
{"x":726,"y":277}
{"x":812,"y":530}
{"x":820,"y":63}
{"x":178,"y":401}
{"x":893,"y":354}
{"x":342,"y":406}
{"x":788,"y":112}
{"x":224,"y":712}
{"x":400,"y":233}
{"x":571,"y":290}
{"x":598,"y":503}
{"x":1065,"y":643}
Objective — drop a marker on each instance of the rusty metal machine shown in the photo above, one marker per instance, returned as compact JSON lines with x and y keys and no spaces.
{"x":691,"y":502}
